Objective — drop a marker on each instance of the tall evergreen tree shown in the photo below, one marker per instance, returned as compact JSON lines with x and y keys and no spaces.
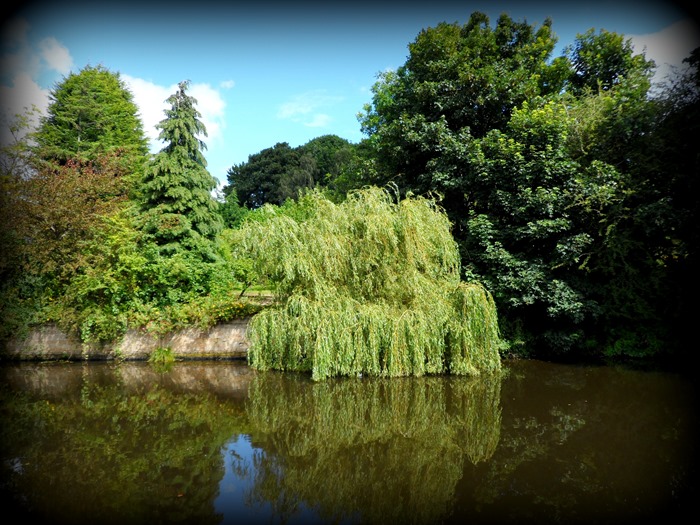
{"x":91,"y":114}
{"x":178,"y":204}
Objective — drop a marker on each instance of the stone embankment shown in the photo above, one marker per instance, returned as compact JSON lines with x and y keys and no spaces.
{"x":223,"y":341}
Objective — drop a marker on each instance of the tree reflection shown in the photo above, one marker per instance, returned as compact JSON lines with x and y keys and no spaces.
{"x":113,"y":455}
{"x":210,"y":443}
{"x":381,"y":450}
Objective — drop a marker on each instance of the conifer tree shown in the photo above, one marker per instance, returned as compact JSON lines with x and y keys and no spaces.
{"x":178,"y":205}
{"x":91,"y":114}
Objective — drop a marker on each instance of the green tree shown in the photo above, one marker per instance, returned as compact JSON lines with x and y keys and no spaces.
{"x":631,"y":266}
{"x":329,"y":152}
{"x":232,"y":213}
{"x":279,"y":173}
{"x":543,"y":166}
{"x":369,"y":286}
{"x":601,"y":61}
{"x":15,"y":167}
{"x":271,"y":176}
{"x":91,"y":114}
{"x":532,"y":223}
{"x":341,"y":165}
{"x":54,"y":208}
{"x":178,"y":206}
{"x":52,"y":219}
{"x":58,"y":210}
{"x":356,"y":169}
{"x":677,"y":129}
{"x":458,"y":83}
{"x":659,"y":229}
{"x":256,"y":181}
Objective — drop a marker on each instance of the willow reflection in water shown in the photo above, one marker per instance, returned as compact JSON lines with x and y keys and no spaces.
{"x":219,"y":443}
{"x":382,"y":450}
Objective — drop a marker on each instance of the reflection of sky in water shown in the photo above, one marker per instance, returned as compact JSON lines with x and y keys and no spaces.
{"x":233,"y":488}
{"x":237,"y":485}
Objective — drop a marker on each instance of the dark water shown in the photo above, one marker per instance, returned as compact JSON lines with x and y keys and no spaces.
{"x":220,"y":443}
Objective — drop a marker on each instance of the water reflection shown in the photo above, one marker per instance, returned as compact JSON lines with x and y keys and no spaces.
{"x":112,"y":445}
{"x":379,"y":450}
{"x":218,"y":443}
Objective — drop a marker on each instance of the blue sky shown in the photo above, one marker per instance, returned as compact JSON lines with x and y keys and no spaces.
{"x":266,"y":71}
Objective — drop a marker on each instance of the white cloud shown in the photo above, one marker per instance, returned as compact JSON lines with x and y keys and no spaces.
{"x":55,"y":55}
{"x":20,"y":66}
{"x":319,"y":120}
{"x":669,"y":46}
{"x":212,"y":107}
{"x":21,"y":96}
{"x":294,"y":108}
{"x":306,"y":103}
{"x":150,"y":99}
{"x":227,"y":84}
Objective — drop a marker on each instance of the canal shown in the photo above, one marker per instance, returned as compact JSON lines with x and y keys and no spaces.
{"x":215,"y":442}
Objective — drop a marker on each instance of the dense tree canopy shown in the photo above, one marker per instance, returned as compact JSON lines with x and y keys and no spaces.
{"x":281,"y":172}
{"x":270,"y":176}
{"x":543,"y":165}
{"x":458,"y":83}
{"x":85,"y":252}
{"x":568,"y":184}
{"x":56,"y":212}
{"x":603,"y":61}
{"x":50,"y":221}
{"x":91,"y":113}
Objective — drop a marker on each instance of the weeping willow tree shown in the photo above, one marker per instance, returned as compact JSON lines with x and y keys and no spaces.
{"x":369,"y":286}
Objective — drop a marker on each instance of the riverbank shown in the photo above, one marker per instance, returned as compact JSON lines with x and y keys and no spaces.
{"x":47,"y":343}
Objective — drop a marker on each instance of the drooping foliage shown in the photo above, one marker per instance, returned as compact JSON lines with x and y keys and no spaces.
{"x":427,"y":429}
{"x":178,"y":206}
{"x":368,"y":286}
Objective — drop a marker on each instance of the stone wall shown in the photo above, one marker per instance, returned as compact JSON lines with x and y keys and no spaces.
{"x":223,"y":341}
